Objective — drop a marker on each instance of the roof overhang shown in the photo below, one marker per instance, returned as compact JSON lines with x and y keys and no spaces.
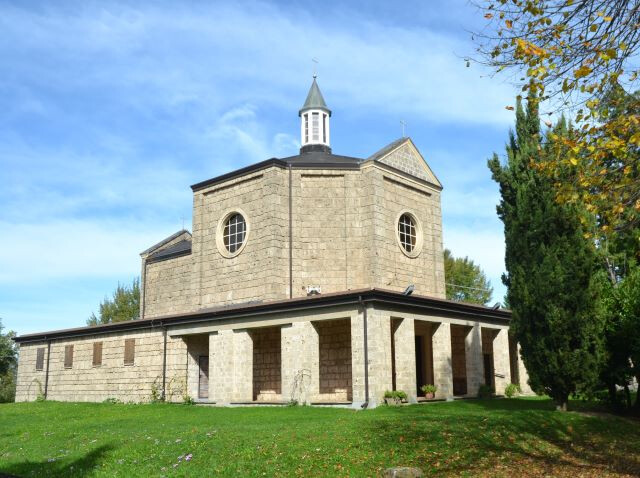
{"x":409,"y":303}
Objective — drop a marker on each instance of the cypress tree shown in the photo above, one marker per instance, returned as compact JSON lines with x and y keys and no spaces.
{"x":550,"y":267}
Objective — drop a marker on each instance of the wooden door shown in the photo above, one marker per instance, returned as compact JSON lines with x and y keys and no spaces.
{"x":203,"y":380}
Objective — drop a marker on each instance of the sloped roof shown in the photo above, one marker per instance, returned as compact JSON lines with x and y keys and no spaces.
{"x":314,"y":100}
{"x":383,"y":297}
{"x":387,"y":149}
{"x":178,"y":249}
{"x":165,"y":241}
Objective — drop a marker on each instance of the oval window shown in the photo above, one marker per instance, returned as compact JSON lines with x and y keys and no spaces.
{"x":235,"y":231}
{"x":407,"y":233}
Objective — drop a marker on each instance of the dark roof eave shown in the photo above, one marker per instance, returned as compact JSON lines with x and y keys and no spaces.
{"x":239,"y":172}
{"x":173,"y":255}
{"x":164,"y":241}
{"x":281,"y":163}
{"x":381,"y":296}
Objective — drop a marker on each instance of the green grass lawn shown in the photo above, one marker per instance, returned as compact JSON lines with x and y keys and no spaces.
{"x":520,"y":437}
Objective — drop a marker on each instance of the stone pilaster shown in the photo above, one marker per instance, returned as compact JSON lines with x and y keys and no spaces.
{"x":405,"y":357}
{"x":357,"y":360}
{"x":242,"y":366}
{"x":221,"y":366}
{"x":299,"y":362}
{"x":474,"y":360}
{"x":379,"y":347}
{"x":501,"y":366}
{"x":442,"y":372}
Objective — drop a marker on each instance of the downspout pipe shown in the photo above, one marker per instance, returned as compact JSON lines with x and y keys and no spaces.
{"x":290,"y":234}
{"x":366,"y":352}
{"x":46,"y":373}
{"x":164,"y":364}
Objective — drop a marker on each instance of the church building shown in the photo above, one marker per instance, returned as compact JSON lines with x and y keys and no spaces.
{"x":316,"y":278}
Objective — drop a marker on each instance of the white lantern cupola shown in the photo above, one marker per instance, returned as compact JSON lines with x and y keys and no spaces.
{"x":314,"y":122}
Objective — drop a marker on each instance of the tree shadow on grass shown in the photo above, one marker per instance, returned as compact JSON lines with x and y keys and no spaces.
{"x":527,"y":433}
{"x":62,"y":467}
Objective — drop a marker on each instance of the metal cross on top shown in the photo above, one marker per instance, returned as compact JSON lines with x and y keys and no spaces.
{"x":404,"y":124}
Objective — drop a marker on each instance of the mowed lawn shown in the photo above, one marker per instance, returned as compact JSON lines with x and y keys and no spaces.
{"x":520,"y":437}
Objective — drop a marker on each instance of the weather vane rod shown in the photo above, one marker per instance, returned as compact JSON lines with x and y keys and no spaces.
{"x":315,"y":64}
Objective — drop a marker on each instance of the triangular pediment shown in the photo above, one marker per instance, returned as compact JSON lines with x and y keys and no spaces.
{"x":402,"y":154}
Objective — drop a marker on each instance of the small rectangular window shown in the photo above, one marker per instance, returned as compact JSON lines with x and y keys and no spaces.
{"x":315,"y":126}
{"x":97,"y":354}
{"x":306,"y":127}
{"x":40,"y":359}
{"x":68,"y":356}
{"x":129,"y":351}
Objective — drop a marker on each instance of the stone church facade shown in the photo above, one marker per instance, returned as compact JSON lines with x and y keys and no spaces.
{"x":316,"y":278}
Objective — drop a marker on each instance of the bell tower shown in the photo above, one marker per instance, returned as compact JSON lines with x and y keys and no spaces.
{"x":314,"y":122}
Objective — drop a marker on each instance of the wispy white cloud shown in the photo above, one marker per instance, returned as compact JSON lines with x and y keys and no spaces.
{"x":180,"y":54}
{"x":38,"y":253}
{"x":110,"y":111}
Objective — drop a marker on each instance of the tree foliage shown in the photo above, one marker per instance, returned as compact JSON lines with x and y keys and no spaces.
{"x":622,"y":308}
{"x":576,"y":54}
{"x":551,"y":285}
{"x":465,"y":280}
{"x":123,"y":305}
{"x":8,"y":362}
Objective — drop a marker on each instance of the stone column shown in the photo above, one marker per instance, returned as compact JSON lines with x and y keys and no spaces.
{"x":221,"y":367}
{"x":357,"y":360}
{"x":300,"y":359}
{"x":405,"y":358}
{"x":242,"y":366}
{"x":379,"y":355}
{"x":474,"y":359}
{"x":501,"y":365}
{"x":442,"y":371}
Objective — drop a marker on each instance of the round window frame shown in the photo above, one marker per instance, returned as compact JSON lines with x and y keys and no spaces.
{"x":417,"y":249}
{"x":222,"y":248}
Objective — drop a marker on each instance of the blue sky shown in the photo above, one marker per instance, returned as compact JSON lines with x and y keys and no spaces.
{"x":110,"y":110}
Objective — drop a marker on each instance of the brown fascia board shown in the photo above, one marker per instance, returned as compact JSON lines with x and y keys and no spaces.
{"x":164,"y":241}
{"x":351,"y":297}
{"x":280,"y":163}
{"x":239,"y":172}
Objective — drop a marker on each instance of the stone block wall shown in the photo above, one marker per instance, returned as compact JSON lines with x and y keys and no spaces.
{"x":393,"y":269}
{"x":344,"y":227}
{"x":267,"y":364}
{"x":300,"y":362}
{"x":501,"y":364}
{"x":442,"y":359}
{"x":335,"y":369}
{"x":259,"y":272}
{"x":312,"y":356}
{"x":379,"y":348}
{"x":405,"y":356}
{"x":168,"y":287}
{"x":474,"y":359}
{"x":112,"y":379}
